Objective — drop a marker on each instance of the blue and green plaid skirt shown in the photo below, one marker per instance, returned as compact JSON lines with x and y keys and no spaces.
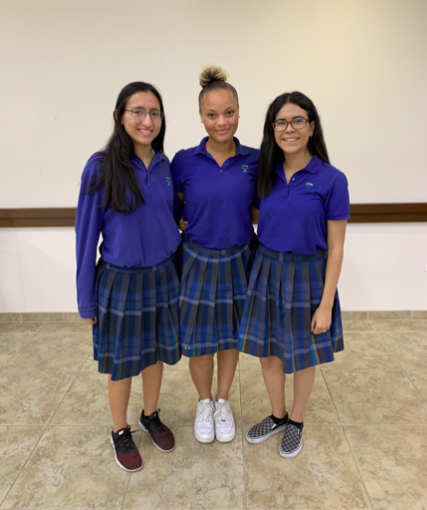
{"x":212,"y":296}
{"x":137,"y":323}
{"x":284,"y":292}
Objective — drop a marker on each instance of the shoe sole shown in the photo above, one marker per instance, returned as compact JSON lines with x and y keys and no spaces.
{"x":202,"y":439}
{"x":120,"y":465}
{"x":257,"y":440}
{"x":225,"y":439}
{"x":293,"y":454}
{"x":141,"y":426}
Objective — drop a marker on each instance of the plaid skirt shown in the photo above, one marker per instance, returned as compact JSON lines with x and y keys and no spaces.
{"x":212,"y":296}
{"x":284,"y":292}
{"x":137,"y":323}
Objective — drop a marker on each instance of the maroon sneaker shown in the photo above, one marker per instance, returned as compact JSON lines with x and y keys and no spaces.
{"x":161,"y":436}
{"x":127,"y":454}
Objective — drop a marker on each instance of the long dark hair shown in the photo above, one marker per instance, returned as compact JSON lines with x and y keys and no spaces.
{"x":122,"y":191}
{"x":271,"y":153}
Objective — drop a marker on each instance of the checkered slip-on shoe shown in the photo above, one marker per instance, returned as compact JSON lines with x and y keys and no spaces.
{"x":262,"y":431}
{"x":291,"y":443}
{"x":125,"y":450}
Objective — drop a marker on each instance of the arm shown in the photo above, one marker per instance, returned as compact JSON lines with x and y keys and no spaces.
{"x":322,"y":317}
{"x":254,"y":215}
{"x":182,"y":225}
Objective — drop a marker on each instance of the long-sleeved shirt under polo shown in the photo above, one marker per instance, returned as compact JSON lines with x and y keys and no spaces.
{"x":142,"y":238}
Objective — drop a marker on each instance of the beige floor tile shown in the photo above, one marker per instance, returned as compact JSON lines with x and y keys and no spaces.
{"x":4,"y":360}
{"x":70,"y":470}
{"x":419,"y":380}
{"x":374,"y":397}
{"x":194,"y":476}
{"x":66,"y":327}
{"x":45,"y":352}
{"x":322,"y":476}
{"x":363,"y":350}
{"x":42,"y":317}
{"x":400,"y":325}
{"x":30,"y":398}
{"x":17,"y":328}
{"x":419,"y":314}
{"x":389,"y":315}
{"x":256,"y":404}
{"x":10,"y":345}
{"x":248,"y":362}
{"x":354,"y":315}
{"x":355,"y":325}
{"x":10,"y":317}
{"x":408,"y":349}
{"x":16,"y":445}
{"x":393,"y":463}
{"x":72,"y":317}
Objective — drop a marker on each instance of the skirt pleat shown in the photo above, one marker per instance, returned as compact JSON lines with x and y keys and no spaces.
{"x":212,"y":296}
{"x":284,"y":291}
{"x":137,"y":323}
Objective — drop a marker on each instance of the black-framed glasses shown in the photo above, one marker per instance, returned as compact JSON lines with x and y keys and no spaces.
{"x":137,"y":113}
{"x":297,"y":123}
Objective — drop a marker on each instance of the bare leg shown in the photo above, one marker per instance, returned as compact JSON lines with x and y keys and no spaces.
{"x":274,"y":378}
{"x":118,"y":393}
{"x":303,"y":386}
{"x":227,"y":363}
{"x":151,"y":382}
{"x":201,"y":370}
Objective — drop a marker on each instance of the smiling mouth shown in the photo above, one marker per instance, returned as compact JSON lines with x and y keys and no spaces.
{"x":144,"y":132}
{"x":290,"y":139}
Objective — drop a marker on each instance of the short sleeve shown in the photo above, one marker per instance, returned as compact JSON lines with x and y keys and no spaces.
{"x":177,"y":169}
{"x":337,"y":206}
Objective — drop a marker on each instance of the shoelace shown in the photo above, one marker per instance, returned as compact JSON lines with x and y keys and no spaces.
{"x":205,"y":411}
{"x":155,"y":420}
{"x":223,"y":411}
{"x":126,"y":440}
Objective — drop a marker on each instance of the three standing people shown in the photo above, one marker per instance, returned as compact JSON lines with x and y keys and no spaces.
{"x":143,"y":316}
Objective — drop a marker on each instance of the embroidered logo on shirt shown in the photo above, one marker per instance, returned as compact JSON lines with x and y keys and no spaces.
{"x":168,"y":180}
{"x":308,"y":185}
{"x":245,"y":169}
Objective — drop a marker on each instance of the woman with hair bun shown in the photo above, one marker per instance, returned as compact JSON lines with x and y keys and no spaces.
{"x":292,"y":318}
{"x":131,"y":296}
{"x":216,"y":181}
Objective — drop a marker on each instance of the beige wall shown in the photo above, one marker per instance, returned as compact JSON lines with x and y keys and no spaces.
{"x":362,"y":62}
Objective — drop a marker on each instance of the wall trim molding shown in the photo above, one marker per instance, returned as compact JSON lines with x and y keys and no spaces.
{"x":360,"y":213}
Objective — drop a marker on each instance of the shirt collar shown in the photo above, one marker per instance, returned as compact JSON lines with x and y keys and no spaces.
{"x":313,"y":167}
{"x":201,"y":148}
{"x":157,"y":156}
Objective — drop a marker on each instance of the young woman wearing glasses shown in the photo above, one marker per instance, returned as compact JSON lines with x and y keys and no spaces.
{"x":131,"y":296}
{"x":292,"y":318}
{"x":217,"y":182}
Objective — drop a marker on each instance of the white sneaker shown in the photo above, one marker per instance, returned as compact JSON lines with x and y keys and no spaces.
{"x":224,"y":422}
{"x":204,"y":429}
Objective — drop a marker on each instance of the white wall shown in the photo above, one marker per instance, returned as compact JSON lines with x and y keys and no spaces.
{"x":362,"y":62}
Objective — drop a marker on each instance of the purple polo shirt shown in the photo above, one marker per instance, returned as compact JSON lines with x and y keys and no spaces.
{"x":143,"y":238}
{"x":293,"y":218}
{"x":217,"y":199}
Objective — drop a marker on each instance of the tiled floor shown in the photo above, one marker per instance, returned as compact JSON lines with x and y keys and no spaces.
{"x":365,"y":441}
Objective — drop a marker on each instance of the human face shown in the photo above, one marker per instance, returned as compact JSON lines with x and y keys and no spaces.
{"x":142,"y":131}
{"x":219,"y":114}
{"x":293,"y":141}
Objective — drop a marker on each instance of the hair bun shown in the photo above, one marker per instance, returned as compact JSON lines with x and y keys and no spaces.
{"x":212,"y":73}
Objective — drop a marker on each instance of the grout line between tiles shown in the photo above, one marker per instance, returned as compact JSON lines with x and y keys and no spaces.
{"x":348,"y":443}
{"x":40,"y":438}
{"x":245,"y":495}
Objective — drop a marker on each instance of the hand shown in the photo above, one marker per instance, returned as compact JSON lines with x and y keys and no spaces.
{"x":321,"y":321}
{"x":90,"y":321}
{"x":182,"y":225}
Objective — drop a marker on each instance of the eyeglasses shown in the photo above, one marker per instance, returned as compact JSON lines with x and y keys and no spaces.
{"x":155,"y":115}
{"x":297,"y":123}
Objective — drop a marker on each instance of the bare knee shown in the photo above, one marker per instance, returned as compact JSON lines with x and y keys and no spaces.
{"x":202,"y":361}
{"x":270,"y":362}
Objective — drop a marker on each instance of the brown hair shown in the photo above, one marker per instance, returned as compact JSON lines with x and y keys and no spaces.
{"x":214,"y":78}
